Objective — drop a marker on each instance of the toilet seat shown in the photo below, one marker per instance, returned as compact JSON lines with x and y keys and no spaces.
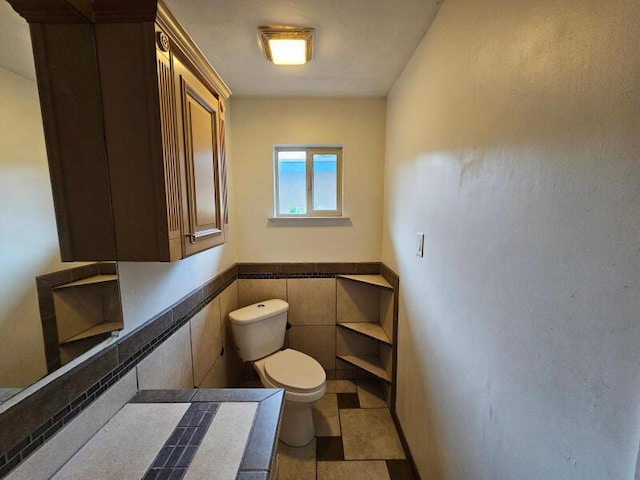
{"x":294,"y":371}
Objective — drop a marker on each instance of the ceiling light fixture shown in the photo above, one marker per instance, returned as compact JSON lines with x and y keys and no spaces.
{"x":287,"y":45}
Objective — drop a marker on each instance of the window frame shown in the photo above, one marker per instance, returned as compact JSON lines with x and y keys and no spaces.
{"x":310,"y":151}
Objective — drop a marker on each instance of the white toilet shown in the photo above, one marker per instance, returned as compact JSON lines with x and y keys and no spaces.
{"x":258,"y":331}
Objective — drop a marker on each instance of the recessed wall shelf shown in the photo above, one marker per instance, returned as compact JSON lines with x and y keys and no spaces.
{"x":89,"y":281}
{"x":79,"y":308}
{"x":371,"y":364}
{"x":377,"y":280}
{"x":372,"y":330}
{"x":365,"y":336}
{"x":87,"y":310}
{"x":100,"y":329}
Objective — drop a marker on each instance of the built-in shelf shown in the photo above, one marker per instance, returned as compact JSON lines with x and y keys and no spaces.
{"x":100,"y":329}
{"x":372,"y":365}
{"x":377,"y":280}
{"x":80,"y":307}
{"x":365,"y":317}
{"x":372,"y":330}
{"x":88,"y":281}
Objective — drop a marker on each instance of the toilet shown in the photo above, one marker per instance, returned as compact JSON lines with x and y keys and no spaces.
{"x":258,"y":332}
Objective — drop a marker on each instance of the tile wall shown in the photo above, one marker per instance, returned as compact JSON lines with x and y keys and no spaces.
{"x":190,"y":344}
{"x":312,"y":312}
{"x":200,"y":353}
{"x":159,"y":354}
{"x":315,"y":304}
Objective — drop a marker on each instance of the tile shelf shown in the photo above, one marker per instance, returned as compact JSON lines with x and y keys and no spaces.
{"x":100,"y":329}
{"x":88,"y":281}
{"x":371,"y":364}
{"x":376,"y":280}
{"x":365,"y":322}
{"x":85,"y":312}
{"x":371,"y":330}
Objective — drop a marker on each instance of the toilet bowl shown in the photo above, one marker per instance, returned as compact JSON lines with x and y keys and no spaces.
{"x":258,"y":332}
{"x":304,"y":382}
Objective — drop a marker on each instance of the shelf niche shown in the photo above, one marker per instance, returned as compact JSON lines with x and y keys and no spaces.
{"x":79,"y":308}
{"x":365,"y":324}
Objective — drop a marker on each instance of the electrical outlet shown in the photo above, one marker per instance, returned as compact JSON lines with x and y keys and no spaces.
{"x":420,"y":250}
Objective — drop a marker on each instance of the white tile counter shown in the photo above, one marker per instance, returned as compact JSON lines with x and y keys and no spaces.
{"x":224,"y":434}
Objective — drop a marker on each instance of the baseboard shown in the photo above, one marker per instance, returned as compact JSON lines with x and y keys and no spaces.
{"x":405,"y":445}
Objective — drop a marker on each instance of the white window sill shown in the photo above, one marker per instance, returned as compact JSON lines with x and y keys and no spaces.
{"x":309,"y":222}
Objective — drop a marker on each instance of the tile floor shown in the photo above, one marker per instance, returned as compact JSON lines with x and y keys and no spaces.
{"x":355,"y":438}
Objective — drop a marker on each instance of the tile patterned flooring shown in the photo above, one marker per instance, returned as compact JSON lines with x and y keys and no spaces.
{"x":355,"y":438}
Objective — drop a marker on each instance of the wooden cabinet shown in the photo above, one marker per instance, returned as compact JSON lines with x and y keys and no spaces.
{"x":134,"y":124}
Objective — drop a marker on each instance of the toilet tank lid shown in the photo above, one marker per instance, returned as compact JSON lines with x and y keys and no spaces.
{"x":258,"y":311}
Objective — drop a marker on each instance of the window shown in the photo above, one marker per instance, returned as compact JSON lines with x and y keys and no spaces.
{"x":308,"y":181}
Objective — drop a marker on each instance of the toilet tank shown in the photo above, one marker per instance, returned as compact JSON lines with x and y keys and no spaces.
{"x":258,"y":329}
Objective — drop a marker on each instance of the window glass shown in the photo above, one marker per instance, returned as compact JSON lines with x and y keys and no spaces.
{"x":308,"y":181}
{"x":325,"y":181}
{"x":292,"y":182}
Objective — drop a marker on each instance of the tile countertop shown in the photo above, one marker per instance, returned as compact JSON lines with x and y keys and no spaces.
{"x":222,"y":434}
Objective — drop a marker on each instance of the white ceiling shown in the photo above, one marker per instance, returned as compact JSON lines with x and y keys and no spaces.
{"x":361,"y":45}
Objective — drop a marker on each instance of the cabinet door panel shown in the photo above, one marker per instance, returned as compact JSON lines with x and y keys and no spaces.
{"x":202,"y":126}
{"x":199,"y":116}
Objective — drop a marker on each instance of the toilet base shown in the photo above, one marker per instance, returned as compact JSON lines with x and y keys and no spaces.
{"x":296,"y":428}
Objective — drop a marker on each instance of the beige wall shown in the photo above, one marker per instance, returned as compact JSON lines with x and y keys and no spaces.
{"x":148,"y":288}
{"x":28,"y":235}
{"x":513,"y":143}
{"x":258,"y":125}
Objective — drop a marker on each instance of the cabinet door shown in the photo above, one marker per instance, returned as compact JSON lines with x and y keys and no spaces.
{"x":198,"y":113}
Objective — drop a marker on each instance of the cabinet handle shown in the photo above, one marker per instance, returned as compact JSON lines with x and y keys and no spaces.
{"x":194,"y":237}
